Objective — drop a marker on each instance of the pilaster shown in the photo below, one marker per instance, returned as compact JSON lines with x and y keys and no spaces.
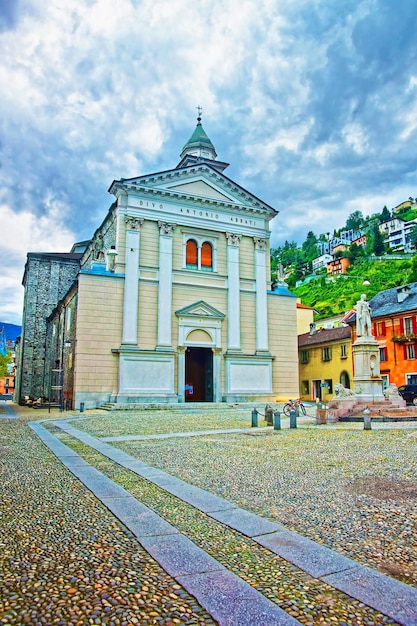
{"x":181,"y":373}
{"x":131,"y":287}
{"x":165,"y":285}
{"x":217,"y":365}
{"x":261,"y":295}
{"x":233,"y":301}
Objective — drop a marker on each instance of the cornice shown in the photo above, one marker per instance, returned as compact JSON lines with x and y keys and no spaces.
{"x":192,"y":200}
{"x":146,"y":185}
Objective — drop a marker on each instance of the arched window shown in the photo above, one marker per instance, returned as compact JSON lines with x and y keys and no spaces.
{"x":206,"y":256}
{"x":199,"y":253}
{"x":191,"y":258}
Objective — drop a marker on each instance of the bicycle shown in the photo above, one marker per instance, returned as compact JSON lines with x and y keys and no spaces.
{"x":296,"y":405}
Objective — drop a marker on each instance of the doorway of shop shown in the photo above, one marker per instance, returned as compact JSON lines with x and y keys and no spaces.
{"x":316,"y":384}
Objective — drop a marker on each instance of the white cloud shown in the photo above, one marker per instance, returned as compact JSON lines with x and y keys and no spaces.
{"x":26,"y":232}
{"x":312,"y":103}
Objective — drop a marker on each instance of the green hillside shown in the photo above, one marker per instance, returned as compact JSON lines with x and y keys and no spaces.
{"x":337,"y":294}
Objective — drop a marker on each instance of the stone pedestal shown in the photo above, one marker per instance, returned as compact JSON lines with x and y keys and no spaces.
{"x":367,"y":378}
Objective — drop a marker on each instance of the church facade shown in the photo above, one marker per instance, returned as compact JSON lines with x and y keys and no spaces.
{"x":173,"y":299}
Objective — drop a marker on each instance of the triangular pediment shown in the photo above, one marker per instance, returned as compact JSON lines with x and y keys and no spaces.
{"x":200,"y":309}
{"x":201,"y":188}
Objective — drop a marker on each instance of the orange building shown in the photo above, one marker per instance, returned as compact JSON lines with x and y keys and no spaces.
{"x":7,"y":384}
{"x":338,"y":266}
{"x":394,"y":321}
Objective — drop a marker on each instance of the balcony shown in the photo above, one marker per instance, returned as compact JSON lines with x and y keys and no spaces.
{"x":409,"y":338}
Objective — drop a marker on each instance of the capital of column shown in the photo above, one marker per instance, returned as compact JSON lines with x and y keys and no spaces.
{"x":260,"y":243}
{"x":133,"y":223}
{"x":165,"y":228}
{"x":233,"y":239}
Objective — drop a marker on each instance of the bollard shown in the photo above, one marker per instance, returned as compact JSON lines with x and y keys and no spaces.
{"x":367,"y":419}
{"x":277,"y":420}
{"x":269,"y":415}
{"x":254,"y":418}
{"x":81,"y":407}
{"x":293,"y":418}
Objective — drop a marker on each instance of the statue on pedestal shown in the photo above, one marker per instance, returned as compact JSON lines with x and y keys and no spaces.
{"x":363,"y":318}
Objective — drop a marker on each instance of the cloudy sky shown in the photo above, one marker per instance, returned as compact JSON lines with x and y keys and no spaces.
{"x":312,"y":102}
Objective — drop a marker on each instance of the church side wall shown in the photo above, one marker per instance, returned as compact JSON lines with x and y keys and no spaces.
{"x":282,"y":316}
{"x":99,"y":330}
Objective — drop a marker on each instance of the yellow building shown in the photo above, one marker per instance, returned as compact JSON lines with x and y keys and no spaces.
{"x":305,"y":317}
{"x":173,"y":301}
{"x":325,"y":359}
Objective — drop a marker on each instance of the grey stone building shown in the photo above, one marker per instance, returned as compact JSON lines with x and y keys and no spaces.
{"x":47,"y":278}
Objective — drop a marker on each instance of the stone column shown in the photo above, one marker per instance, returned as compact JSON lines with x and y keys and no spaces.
{"x":165,"y":285}
{"x":261,"y":300}
{"x":233,"y":301}
{"x":131,"y":288}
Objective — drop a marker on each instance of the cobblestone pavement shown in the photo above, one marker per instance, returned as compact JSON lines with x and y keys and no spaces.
{"x":67,"y":560}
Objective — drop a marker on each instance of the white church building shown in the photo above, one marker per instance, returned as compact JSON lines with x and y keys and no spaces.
{"x":172,"y":300}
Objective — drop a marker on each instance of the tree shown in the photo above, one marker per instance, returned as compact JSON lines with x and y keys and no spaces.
{"x":309,"y":246}
{"x":413,"y":276}
{"x":355,"y":251}
{"x":5,"y":360}
{"x":413,"y":236}
{"x":385,"y":215}
{"x":355,"y":221}
{"x":378,"y":246}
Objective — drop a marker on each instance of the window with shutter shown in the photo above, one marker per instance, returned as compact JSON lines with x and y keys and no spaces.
{"x":408,"y":325}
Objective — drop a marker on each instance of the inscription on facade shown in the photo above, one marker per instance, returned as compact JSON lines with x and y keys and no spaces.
{"x":212,"y":215}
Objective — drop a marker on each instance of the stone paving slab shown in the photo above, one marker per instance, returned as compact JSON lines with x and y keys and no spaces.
{"x":245,"y":522}
{"x":386,"y":595}
{"x":58,"y":448}
{"x":149,"y":524}
{"x":8,"y":413}
{"x":73,"y":461}
{"x":233,"y":602}
{"x":137,"y":466}
{"x":99,"y":484}
{"x":199,"y":498}
{"x":141,"y":520}
{"x":198,"y":433}
{"x":178,"y":555}
{"x":306,"y":554}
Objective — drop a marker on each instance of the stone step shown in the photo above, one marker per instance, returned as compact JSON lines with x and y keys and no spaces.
{"x":183,"y":406}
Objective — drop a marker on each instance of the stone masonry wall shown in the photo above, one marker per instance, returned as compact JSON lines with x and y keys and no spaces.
{"x":47,"y":279}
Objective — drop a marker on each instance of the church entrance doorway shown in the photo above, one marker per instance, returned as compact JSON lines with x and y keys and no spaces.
{"x":199,"y":375}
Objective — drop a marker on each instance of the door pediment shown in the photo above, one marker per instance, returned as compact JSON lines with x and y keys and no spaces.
{"x":200,"y":309}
